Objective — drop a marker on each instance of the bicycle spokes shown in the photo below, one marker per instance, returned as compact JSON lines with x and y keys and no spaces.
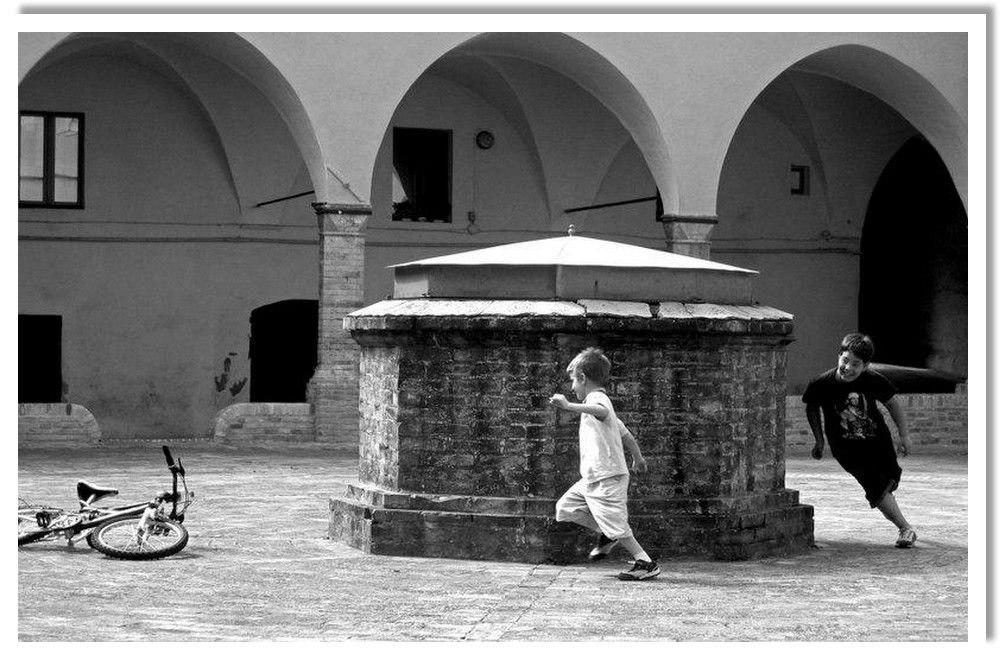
{"x":132,"y":539}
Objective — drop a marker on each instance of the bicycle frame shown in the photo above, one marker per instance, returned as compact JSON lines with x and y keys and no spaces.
{"x":89,"y":517}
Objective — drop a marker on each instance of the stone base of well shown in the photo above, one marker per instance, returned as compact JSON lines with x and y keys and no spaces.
{"x":523,"y":529}
{"x":459,"y":455}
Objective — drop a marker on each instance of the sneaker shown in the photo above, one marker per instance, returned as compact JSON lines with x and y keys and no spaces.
{"x":643,"y":570}
{"x":603,"y":548}
{"x":906,"y":538}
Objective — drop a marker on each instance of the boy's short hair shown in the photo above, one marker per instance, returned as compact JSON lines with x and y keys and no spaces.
{"x":593,"y":364}
{"x":861,"y":345}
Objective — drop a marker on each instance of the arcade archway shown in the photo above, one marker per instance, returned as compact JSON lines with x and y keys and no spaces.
{"x":913,"y":297}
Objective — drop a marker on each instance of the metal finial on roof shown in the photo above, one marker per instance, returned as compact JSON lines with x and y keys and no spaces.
{"x":572,"y":230}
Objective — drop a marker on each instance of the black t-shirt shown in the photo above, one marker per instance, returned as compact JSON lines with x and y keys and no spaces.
{"x":850,"y":414}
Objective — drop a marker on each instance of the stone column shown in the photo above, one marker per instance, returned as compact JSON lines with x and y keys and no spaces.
{"x":688,"y":235}
{"x":334,"y":386}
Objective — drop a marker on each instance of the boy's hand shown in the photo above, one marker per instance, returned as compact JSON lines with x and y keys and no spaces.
{"x":817,"y":451}
{"x":639,"y":464}
{"x":903,"y":446}
{"x":558,"y":401}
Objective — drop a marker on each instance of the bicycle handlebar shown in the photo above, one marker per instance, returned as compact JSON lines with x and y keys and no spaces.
{"x":175,"y":467}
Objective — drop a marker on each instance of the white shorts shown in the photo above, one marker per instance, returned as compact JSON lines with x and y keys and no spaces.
{"x":600,"y":505}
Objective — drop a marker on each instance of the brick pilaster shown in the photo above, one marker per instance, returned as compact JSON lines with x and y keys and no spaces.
{"x":334,"y":386}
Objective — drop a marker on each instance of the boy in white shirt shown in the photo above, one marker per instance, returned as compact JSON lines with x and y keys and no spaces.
{"x":599,"y":500}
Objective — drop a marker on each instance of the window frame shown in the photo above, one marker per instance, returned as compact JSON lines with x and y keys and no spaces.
{"x":49,"y":160}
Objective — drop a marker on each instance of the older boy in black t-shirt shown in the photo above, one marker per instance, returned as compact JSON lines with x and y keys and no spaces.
{"x":859,"y":438}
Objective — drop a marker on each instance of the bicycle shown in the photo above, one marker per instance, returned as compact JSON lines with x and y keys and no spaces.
{"x":143,"y":530}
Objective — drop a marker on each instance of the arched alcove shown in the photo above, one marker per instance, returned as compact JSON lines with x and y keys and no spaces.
{"x":571,"y":142}
{"x":282,"y":350}
{"x":207,"y":66}
{"x":913,"y":297}
{"x":794,"y":192}
{"x":186,"y":136}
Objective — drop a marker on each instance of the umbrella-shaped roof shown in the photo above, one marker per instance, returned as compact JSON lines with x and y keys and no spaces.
{"x":572,"y":268}
{"x":574,"y":250}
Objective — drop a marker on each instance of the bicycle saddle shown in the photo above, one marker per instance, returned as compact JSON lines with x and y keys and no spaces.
{"x":89,"y":493}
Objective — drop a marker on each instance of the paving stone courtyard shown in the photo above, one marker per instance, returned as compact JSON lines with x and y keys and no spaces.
{"x":259,"y":567}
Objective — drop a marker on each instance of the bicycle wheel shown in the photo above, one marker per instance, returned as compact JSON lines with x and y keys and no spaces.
{"x":126,"y":539}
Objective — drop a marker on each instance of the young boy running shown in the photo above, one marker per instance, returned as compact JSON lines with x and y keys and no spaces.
{"x":859,"y":438}
{"x":598,"y":500}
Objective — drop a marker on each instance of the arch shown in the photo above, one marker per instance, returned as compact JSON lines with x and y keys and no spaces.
{"x":488,"y":63}
{"x":187,"y":59}
{"x":843,"y":112}
{"x":913,"y":298}
{"x":901,"y":88}
{"x":282,"y":350}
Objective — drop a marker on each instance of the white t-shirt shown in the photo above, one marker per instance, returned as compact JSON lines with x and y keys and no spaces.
{"x":601,"y":452}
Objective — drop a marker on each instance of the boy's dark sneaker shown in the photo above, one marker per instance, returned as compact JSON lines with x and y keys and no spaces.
{"x":603,"y":548}
{"x":642,"y":570}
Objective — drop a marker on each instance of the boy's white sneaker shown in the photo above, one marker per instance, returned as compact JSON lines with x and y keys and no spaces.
{"x":906,"y":538}
{"x":603,"y":548}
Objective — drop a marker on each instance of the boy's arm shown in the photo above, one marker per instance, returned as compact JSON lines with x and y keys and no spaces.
{"x":638,"y":462}
{"x":816,"y":424}
{"x":560,"y":401}
{"x":896,"y":411}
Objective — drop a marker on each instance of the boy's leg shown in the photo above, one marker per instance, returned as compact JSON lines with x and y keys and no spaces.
{"x":890,"y":509}
{"x":630,"y":544}
{"x":572,"y":507}
{"x":608,"y":500}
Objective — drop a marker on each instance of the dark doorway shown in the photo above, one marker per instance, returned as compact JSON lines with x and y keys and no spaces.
{"x":282,"y":350}
{"x":39,"y":358}
{"x":914,"y":265}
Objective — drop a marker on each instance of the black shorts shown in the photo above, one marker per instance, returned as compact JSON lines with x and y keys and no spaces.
{"x":873,"y":464}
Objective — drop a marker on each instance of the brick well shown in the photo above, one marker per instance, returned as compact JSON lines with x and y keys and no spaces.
{"x":460,"y":456}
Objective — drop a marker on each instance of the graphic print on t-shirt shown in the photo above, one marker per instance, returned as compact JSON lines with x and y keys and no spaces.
{"x":854,"y":418}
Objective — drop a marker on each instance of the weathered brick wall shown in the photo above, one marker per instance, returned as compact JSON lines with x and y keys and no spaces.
{"x":471,"y":415}
{"x":714,"y":430}
{"x":333,"y":390}
{"x":469,"y":419}
{"x":378,"y":447}
{"x":265,"y":423}
{"x":932,"y":419}
{"x":467,"y":451}
{"x":56,"y":424}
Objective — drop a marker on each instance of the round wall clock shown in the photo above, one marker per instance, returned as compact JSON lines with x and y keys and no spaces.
{"x":484,"y":139}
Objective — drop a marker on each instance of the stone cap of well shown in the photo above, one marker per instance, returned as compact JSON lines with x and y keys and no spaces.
{"x":410,"y":314}
{"x":572,"y":268}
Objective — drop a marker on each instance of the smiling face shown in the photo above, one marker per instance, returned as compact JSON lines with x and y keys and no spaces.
{"x":849,"y":366}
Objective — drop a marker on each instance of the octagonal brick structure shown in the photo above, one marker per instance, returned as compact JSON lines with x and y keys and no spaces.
{"x":461,"y":457}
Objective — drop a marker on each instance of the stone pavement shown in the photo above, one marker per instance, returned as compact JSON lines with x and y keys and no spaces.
{"x":258,"y":566}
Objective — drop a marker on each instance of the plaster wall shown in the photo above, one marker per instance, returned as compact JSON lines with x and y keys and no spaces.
{"x":156,"y":277}
{"x":515,"y":192}
{"x":147,"y":327}
{"x":350,"y":83}
{"x":167,"y":166}
{"x":806,"y":248}
{"x":373,"y":72}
